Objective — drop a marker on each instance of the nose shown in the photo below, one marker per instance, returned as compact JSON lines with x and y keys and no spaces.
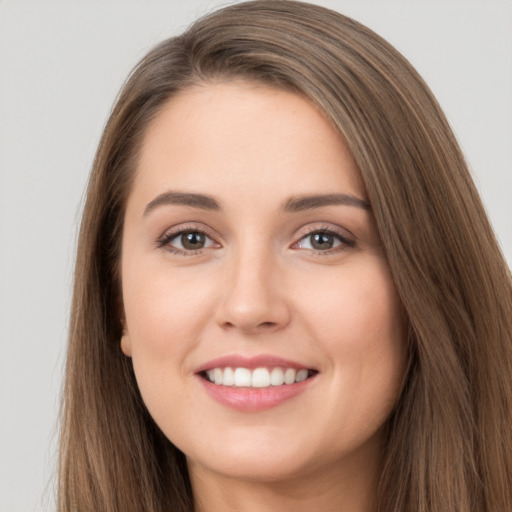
{"x":255,"y":298}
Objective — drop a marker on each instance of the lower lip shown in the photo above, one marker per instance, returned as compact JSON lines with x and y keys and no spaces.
{"x":253,"y":399}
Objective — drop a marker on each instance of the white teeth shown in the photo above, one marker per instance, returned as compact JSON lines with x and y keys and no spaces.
{"x":217,"y":376}
{"x":260,"y":378}
{"x":257,"y":378}
{"x":301,"y":375}
{"x":289,"y":376}
{"x":276,"y":377}
{"x":243,"y":377}
{"x":229,"y":377}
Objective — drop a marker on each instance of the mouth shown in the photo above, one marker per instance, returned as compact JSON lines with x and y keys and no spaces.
{"x":256,"y":383}
{"x":260,"y":377}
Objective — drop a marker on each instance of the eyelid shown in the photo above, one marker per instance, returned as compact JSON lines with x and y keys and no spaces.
{"x":164,"y":240}
{"x":346,"y":238}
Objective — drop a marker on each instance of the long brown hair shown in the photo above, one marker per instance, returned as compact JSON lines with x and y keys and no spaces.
{"x":449,"y":440}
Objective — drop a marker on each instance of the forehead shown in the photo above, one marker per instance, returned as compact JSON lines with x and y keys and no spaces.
{"x":221,"y":137}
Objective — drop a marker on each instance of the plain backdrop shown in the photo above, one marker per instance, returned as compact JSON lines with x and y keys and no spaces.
{"x":61,"y":65}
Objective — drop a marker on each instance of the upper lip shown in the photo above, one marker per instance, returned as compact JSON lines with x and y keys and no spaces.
{"x":259,"y":361}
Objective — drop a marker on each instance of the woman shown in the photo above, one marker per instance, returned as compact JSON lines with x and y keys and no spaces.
{"x":287,"y":293}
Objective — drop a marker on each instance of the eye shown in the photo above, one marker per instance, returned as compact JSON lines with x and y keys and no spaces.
{"x":324,"y":241}
{"x":186,"y":241}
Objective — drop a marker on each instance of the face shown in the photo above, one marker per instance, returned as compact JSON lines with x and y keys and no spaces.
{"x":260,"y":314}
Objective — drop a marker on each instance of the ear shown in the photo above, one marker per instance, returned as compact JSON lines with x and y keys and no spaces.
{"x":126,"y":344}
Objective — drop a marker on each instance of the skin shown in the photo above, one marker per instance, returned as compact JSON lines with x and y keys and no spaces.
{"x":259,"y":287}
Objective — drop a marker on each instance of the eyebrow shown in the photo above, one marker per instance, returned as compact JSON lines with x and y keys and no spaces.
{"x":307,"y":202}
{"x":183,"y":198}
{"x":294,"y":204}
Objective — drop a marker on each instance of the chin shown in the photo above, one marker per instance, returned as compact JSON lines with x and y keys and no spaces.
{"x":271,"y":458}
{"x":258,"y":466}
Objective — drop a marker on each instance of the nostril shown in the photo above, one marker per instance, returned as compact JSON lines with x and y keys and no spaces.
{"x":255,"y":327}
{"x":252,"y":314}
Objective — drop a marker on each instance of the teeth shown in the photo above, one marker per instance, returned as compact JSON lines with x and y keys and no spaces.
{"x":276,"y":377}
{"x":242,"y":377}
{"x":260,"y":378}
{"x":257,"y":378}
{"x":289,"y":376}
{"x":301,"y":375}
{"x":228,"y":377}
{"x":217,"y":376}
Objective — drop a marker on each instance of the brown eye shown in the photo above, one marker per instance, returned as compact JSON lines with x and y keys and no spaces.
{"x":186,"y":242}
{"x":192,"y":240}
{"x":322,"y":241}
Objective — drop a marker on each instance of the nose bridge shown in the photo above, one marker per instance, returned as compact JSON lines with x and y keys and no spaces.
{"x":253,"y":299}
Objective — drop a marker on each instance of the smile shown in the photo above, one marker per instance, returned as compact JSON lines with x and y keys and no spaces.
{"x":256,"y":383}
{"x":258,"y":377}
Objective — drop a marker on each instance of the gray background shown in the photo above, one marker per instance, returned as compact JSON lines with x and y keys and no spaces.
{"x":61,"y":65}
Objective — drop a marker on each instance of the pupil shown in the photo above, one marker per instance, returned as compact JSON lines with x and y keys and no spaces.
{"x":192,"y":240}
{"x":322,"y":241}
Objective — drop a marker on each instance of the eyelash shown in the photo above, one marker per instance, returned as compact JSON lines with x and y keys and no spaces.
{"x":345,"y":242}
{"x":165,"y":240}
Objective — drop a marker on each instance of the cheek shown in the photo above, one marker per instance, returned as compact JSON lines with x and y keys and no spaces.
{"x":165,"y":318}
{"x":362,"y":310}
{"x":164,"y":311}
{"x":359,"y":325}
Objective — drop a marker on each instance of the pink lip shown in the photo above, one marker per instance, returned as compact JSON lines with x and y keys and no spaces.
{"x":252,"y":399}
{"x":260,"y":361}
